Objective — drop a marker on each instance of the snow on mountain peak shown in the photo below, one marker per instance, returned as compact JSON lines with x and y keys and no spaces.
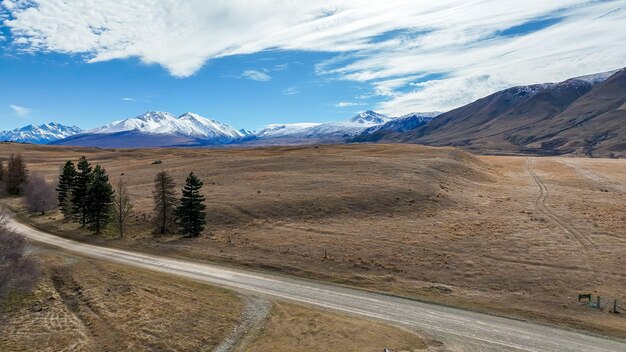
{"x":596,"y":77}
{"x":42,"y":134}
{"x":370,"y":117}
{"x":188,"y":124}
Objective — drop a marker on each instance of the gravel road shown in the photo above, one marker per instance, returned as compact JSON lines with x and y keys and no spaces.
{"x":460,"y":330}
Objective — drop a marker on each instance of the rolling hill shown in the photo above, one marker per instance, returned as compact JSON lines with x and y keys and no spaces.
{"x":581,"y":116}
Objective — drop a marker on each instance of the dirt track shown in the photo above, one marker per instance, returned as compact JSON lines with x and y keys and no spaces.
{"x":584,"y":241}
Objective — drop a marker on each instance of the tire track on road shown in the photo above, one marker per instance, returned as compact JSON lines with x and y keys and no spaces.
{"x":540,"y":203}
{"x":602,"y":181}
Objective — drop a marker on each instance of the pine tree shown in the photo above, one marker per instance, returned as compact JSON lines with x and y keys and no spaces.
{"x":79,"y":191}
{"x":191,"y":214}
{"x":165,"y":202}
{"x":16,"y":175}
{"x":99,"y":200}
{"x":122,"y":207}
{"x":64,"y":188}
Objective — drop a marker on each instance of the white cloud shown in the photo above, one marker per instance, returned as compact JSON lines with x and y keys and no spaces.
{"x":345,"y":104}
{"x":20,"y":110}
{"x":391,"y":45}
{"x":256,"y":75}
{"x":291,"y":91}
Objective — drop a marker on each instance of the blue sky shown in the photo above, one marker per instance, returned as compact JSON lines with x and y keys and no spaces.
{"x":64,"y":88}
{"x":88,"y":63}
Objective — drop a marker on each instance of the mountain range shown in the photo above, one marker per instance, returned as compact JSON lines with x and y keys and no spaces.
{"x":163,"y":129}
{"x":42,"y":134}
{"x":158,"y":129}
{"x":583,"y":115}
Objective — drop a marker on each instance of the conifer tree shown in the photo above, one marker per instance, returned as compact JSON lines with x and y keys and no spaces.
{"x":99,"y":203}
{"x":79,"y":191}
{"x":165,"y":202}
{"x":191,"y":214}
{"x":16,"y":175}
{"x":64,"y":188}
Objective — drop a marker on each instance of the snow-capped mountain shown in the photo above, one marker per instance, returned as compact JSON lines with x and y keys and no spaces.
{"x":370,"y":117}
{"x":596,"y":77}
{"x":42,"y":134}
{"x":188,"y":124}
{"x":282,"y":130}
{"x":246,"y":133}
{"x":159,"y":129}
{"x":404,"y":123}
{"x":330,"y":131}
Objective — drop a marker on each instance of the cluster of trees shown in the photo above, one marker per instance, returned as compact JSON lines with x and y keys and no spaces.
{"x":85,"y":196}
{"x":187,"y":214}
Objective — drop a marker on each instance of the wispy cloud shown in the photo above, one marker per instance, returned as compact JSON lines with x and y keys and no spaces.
{"x":256,"y":75}
{"x":345,"y":104}
{"x":474,"y":47}
{"x":20,"y":110}
{"x":291,"y":91}
{"x":135,"y":100}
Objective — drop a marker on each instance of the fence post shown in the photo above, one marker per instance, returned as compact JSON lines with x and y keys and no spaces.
{"x":598,"y":302}
{"x":615,"y":306}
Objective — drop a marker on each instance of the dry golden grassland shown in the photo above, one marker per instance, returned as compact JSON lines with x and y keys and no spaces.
{"x":433,"y":223}
{"x":294,"y":328}
{"x":88,"y":305}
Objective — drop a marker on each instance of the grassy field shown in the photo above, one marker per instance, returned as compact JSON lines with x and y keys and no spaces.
{"x":294,"y":328}
{"x":87,"y":305}
{"x":437,"y":224}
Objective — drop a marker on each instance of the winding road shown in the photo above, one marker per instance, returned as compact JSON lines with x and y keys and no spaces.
{"x":459,"y":330}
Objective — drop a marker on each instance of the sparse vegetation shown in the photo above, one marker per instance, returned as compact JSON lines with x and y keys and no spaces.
{"x":39,"y":195}
{"x":122,"y":207}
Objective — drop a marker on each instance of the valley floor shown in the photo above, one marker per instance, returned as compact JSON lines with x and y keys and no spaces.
{"x":514,"y":236}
